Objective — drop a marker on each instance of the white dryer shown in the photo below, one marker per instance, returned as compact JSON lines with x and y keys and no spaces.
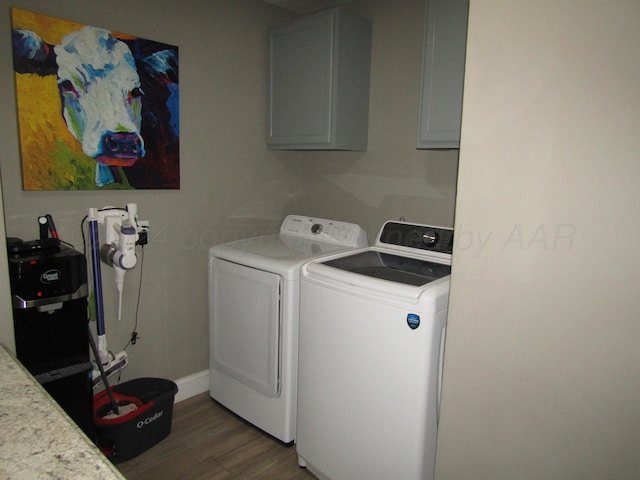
{"x":253,"y":317}
{"x":371,"y":343}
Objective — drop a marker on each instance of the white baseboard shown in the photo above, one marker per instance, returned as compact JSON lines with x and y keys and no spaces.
{"x":192,"y":385}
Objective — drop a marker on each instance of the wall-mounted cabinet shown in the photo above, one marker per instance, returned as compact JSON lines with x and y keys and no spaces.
{"x":443,"y":74}
{"x":318,"y":82}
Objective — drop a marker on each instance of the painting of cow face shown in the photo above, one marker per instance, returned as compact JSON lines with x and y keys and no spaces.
{"x":116,"y":95}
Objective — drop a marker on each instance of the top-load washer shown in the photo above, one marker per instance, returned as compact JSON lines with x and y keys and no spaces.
{"x":253,"y":317}
{"x":371,"y":344}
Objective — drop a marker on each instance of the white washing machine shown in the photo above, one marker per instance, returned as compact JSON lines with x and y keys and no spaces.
{"x":253,"y":317}
{"x":371,"y":345}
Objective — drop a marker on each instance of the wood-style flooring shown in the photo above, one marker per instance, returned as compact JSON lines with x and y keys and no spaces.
{"x":208,"y":442}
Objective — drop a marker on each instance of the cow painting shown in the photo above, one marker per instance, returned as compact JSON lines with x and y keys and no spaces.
{"x":118,"y":98}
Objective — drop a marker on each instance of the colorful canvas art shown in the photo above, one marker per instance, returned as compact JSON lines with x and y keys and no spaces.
{"x":96,"y":109}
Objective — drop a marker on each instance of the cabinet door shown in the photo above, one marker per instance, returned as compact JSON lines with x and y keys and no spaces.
{"x":300,"y":77}
{"x":318,"y":83}
{"x":443,"y":73}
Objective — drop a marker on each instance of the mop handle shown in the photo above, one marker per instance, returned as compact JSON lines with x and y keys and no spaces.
{"x":114,"y":404}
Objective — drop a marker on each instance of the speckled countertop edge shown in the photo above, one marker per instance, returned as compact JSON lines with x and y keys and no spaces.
{"x":38,"y":440}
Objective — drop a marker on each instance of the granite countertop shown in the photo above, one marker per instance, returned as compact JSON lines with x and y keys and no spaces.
{"x":37,"y":438}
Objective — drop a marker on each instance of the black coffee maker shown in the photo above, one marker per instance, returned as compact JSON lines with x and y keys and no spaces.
{"x":49,"y":298}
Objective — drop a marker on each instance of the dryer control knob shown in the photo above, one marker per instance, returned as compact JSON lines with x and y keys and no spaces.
{"x":316,"y":228}
{"x":430,"y":238}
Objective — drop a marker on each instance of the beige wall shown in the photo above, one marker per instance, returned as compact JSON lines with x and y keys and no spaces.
{"x":232,"y":186}
{"x":541,"y":377}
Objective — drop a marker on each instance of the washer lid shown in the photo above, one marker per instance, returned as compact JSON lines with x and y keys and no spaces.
{"x":387,"y":266}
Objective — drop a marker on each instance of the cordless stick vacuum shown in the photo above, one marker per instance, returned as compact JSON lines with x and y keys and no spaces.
{"x":122,"y":233}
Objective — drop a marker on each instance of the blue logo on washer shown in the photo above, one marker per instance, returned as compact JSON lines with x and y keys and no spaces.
{"x":413,"y":320}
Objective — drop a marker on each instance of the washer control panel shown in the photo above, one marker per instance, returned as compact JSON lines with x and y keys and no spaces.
{"x":423,"y":237}
{"x":324,"y":230}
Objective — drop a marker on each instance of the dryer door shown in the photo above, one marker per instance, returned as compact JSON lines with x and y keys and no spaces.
{"x":245,"y":323}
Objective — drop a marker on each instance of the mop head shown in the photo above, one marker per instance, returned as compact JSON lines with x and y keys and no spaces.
{"x":123,"y":409}
{"x":129,"y":407}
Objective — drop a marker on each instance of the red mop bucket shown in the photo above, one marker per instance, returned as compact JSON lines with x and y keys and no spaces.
{"x":126,"y":436}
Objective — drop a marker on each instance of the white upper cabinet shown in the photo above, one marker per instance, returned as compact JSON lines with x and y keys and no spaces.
{"x":318,"y":82}
{"x":443,"y":74}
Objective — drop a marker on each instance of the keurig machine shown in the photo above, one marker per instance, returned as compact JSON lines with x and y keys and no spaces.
{"x":49,"y":298}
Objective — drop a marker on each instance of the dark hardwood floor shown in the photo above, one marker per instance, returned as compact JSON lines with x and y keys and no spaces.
{"x":209,"y":442}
